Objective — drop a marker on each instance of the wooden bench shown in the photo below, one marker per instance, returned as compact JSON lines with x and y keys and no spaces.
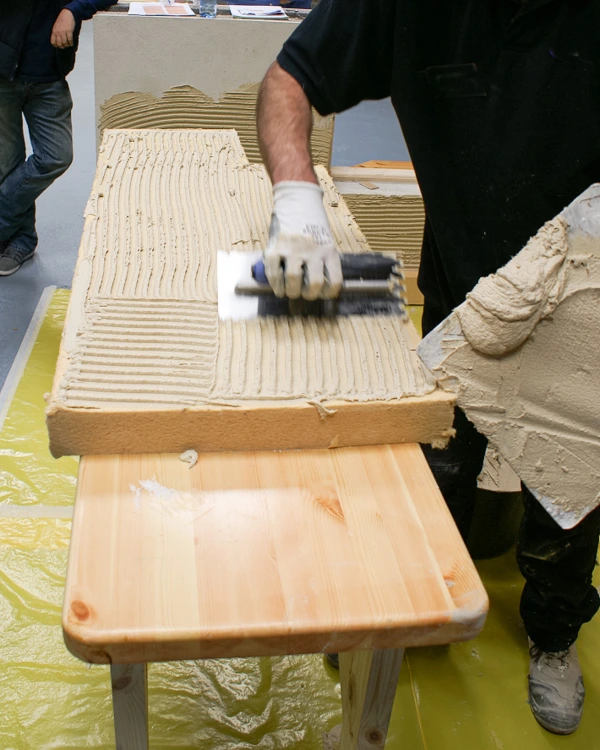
{"x":251,"y":554}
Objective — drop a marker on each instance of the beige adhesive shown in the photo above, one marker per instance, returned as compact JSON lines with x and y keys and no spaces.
{"x":538,"y":400}
{"x":391,"y":223}
{"x":186,"y":107}
{"x":505,"y":307}
{"x":143,"y":346}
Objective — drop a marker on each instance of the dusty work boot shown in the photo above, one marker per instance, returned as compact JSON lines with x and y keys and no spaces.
{"x":556,"y":689}
{"x":12,"y":259}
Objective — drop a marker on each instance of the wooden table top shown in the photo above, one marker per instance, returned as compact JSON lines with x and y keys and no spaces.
{"x":250,"y":554}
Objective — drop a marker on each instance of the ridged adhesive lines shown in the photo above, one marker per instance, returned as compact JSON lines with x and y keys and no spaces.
{"x":391,"y":223}
{"x":144,"y":351}
{"x":147,"y":329}
{"x":158,"y":217}
{"x":185,"y":107}
{"x":352,"y":358}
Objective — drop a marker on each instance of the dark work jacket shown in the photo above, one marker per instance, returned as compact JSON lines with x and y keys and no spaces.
{"x":15,"y":16}
{"x":499,"y":104}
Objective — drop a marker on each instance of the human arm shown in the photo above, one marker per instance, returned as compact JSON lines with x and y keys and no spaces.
{"x":284,"y":121}
{"x":335,"y":58}
{"x":301,"y":258}
{"x":83,"y":10}
{"x":63,"y":31}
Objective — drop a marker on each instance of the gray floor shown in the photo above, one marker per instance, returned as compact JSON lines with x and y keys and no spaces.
{"x":369,"y":131}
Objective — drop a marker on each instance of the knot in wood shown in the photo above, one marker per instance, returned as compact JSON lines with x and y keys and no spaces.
{"x":80,"y":610}
{"x":122,"y":682}
{"x":375,"y":737}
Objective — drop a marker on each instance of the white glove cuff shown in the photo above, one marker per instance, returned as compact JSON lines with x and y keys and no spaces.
{"x":299,"y":209}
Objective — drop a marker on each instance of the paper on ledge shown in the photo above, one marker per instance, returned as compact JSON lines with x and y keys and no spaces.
{"x":257,"y":11}
{"x":165,"y":8}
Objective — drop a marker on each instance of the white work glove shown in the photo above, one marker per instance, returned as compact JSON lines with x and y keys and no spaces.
{"x":301,"y":259}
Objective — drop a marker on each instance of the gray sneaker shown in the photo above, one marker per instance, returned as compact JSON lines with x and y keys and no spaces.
{"x":556,"y":690}
{"x":12,"y":259}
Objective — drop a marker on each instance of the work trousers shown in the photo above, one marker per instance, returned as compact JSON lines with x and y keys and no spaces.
{"x":47,"y":111}
{"x":557,"y":564}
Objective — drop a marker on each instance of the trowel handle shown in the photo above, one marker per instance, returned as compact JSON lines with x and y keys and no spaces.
{"x":258,"y":272}
{"x":355,"y":266}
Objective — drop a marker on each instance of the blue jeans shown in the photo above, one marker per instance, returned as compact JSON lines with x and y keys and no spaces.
{"x":47,"y":110}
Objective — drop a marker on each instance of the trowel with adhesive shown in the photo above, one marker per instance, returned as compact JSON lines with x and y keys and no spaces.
{"x":373,"y":285}
{"x":521,"y":355}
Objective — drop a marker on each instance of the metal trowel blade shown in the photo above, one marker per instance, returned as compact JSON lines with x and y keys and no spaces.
{"x":233,"y":268}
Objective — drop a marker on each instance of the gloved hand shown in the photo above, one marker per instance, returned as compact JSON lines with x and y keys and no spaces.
{"x":301,"y":259}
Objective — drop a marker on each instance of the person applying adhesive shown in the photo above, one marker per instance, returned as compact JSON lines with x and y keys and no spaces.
{"x":38,"y":42}
{"x":498,"y":104}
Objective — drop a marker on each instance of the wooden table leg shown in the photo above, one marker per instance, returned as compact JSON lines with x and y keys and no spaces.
{"x":130,"y":705}
{"x":368,"y":680}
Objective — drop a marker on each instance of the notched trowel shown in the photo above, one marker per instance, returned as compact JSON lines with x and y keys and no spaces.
{"x":373,"y":285}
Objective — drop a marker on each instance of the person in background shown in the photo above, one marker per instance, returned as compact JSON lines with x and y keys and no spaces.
{"x":498,"y":102}
{"x":38,"y":43}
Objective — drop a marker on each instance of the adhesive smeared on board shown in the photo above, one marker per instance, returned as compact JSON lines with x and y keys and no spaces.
{"x":187,"y":107}
{"x":323,"y":410}
{"x":143,"y":327}
{"x":171,"y":501}
{"x":391,"y":223}
{"x":189,"y":457}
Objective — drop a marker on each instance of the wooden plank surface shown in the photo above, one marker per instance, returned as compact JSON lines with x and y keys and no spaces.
{"x":385,"y":164}
{"x":264,"y":553}
{"x":402,"y":173}
{"x":129,"y":684}
{"x":368,"y":680}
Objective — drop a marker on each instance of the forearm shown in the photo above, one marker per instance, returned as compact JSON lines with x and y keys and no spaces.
{"x":83,"y":10}
{"x":284,"y":121}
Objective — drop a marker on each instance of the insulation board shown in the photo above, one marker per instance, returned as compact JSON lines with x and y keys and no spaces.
{"x":145,"y":363}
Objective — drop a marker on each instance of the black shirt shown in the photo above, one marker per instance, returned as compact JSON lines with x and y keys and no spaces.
{"x":499,"y":104}
{"x":38,"y":62}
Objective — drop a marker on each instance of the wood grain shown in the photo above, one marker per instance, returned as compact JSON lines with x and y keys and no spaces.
{"x":130,"y":705}
{"x":385,"y":164}
{"x":368,"y":680}
{"x":401,"y":173}
{"x":251,"y":554}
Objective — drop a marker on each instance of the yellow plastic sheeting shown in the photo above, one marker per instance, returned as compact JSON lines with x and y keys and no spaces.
{"x":474,"y":695}
{"x":469,"y":695}
{"x":49,"y":699}
{"x":28,"y":473}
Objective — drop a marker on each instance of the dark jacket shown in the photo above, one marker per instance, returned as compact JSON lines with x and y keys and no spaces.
{"x":15,"y":16}
{"x":499,"y":103}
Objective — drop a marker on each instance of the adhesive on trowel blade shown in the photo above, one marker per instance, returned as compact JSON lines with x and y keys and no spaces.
{"x":521,"y":356}
{"x":242,"y":294}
